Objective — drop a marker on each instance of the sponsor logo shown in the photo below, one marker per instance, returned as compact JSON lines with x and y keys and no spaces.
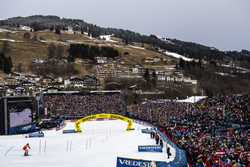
{"x":26,"y":128}
{"x":22,"y":129}
{"x":125,"y":162}
{"x":147,"y":131}
{"x":150,"y":148}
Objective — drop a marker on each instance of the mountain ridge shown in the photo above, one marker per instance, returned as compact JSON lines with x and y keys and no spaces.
{"x":213,"y":71}
{"x":189,"y":49}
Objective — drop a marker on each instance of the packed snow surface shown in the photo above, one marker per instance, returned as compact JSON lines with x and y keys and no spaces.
{"x":192,"y":99}
{"x":107,"y":38}
{"x":5,"y":30}
{"x":136,"y":47}
{"x":178,"y":56}
{"x":99,"y":145}
{"x":9,"y":40}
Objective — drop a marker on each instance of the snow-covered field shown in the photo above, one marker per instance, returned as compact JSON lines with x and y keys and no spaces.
{"x":5,"y":30}
{"x":107,"y":38}
{"x":98,"y":146}
{"x":136,"y":47}
{"x":178,"y":56}
{"x":192,"y":99}
{"x":9,"y":40}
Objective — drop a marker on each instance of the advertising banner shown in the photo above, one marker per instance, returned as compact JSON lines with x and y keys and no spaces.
{"x":147,"y":131}
{"x":69,"y":131}
{"x":23,"y":129}
{"x":150,"y":148}
{"x":35,"y":134}
{"x":127,"y":162}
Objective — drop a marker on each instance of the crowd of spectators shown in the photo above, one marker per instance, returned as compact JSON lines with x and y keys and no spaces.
{"x":80,"y":105}
{"x":214,"y":131}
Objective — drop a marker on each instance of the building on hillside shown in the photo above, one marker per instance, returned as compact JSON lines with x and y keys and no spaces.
{"x":46,"y":81}
{"x":137,"y":69}
{"x":87,"y":82}
{"x":38,"y":61}
{"x":76,"y":82}
{"x":101,"y":60}
{"x":108,"y":70}
{"x":56,"y":84}
{"x":90,"y":82}
{"x":27,"y":83}
{"x":152,"y":60}
{"x":70,"y":30}
{"x":2,"y":91}
{"x":11,"y":81}
{"x":105,"y":37}
{"x":25,"y":28}
{"x":164,"y":80}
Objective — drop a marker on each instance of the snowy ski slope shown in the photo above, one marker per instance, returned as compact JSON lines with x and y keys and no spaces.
{"x":98,"y":146}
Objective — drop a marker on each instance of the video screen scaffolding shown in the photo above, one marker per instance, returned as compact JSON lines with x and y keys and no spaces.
{"x":16,"y":114}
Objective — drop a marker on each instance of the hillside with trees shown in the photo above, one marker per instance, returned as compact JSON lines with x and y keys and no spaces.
{"x":189,"y":49}
{"x":84,"y":51}
{"x":60,"y":47}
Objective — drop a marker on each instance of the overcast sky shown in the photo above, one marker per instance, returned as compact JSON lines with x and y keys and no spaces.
{"x":224,"y":24}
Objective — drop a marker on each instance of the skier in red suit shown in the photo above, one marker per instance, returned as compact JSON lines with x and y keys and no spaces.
{"x":26,"y":148}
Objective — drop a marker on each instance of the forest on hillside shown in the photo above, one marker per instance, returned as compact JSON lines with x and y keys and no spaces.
{"x":189,"y":49}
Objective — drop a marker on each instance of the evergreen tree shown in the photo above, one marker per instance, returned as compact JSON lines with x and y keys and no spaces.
{"x":8,"y":65}
{"x":51,"y":51}
{"x":154,"y":78}
{"x":52,"y":28}
{"x":58,"y":30}
{"x":146,"y":75}
{"x":5,"y":63}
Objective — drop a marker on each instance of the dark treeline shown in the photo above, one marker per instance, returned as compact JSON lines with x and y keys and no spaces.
{"x":214,"y":83}
{"x":5,"y":60}
{"x":209,"y":81}
{"x":55,"y":65}
{"x":188,"y":49}
{"x":84,"y":51}
{"x":5,"y":63}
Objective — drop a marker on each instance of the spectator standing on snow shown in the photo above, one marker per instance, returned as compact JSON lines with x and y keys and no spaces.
{"x":168,"y":152}
{"x":152,"y":134}
{"x":157,"y":138}
{"x":161,"y":143}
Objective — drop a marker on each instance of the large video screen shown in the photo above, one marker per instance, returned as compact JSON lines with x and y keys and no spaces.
{"x":20,"y":113}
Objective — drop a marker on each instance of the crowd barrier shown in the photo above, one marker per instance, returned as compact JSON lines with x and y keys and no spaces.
{"x":69,"y":131}
{"x":35,"y":134}
{"x":24,"y":129}
{"x":180,"y":158}
{"x":129,"y":162}
{"x":147,"y":131}
{"x":150,"y":148}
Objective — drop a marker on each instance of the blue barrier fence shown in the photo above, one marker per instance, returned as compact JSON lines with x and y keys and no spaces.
{"x":23,"y":129}
{"x":150,"y":148}
{"x":128,"y":162}
{"x":69,"y":131}
{"x":146,"y":131}
{"x":180,"y":158}
{"x":36,"y":134}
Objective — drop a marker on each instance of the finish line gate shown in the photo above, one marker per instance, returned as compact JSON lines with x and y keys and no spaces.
{"x":104,"y":116}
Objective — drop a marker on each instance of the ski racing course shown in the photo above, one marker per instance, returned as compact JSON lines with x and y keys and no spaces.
{"x":99,"y":145}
